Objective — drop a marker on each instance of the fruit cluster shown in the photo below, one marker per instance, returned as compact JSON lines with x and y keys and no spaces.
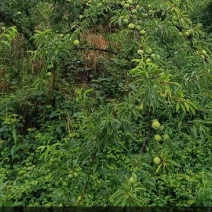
{"x":157,"y":126}
{"x":157,"y":137}
{"x":202,"y":53}
{"x":131,"y":19}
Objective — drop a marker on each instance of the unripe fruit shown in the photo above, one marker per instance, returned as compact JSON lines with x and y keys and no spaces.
{"x":76,"y":42}
{"x":129,"y":1}
{"x":180,"y":34}
{"x":76,"y":174}
{"x":157,"y":137}
{"x":132,"y":180}
{"x":153,"y":56}
{"x":161,"y":127}
{"x":141,"y":107}
{"x":99,"y":5}
{"x":157,"y":160}
{"x":148,"y":50}
{"x":134,"y":11}
{"x":202,"y":56}
{"x":186,"y":34}
{"x":125,"y":21}
{"x":204,"y":52}
{"x":165,"y":137}
{"x":131,"y":26}
{"x":137,"y":7}
{"x":126,"y":5}
{"x":138,"y":27}
{"x":49,"y":74}
{"x":144,"y":15}
{"x":148,"y":60}
{"x":79,"y":198}
{"x":142,"y":32}
{"x":175,"y":23}
{"x":70,"y":175}
{"x":155,"y":124}
{"x":140,"y":51}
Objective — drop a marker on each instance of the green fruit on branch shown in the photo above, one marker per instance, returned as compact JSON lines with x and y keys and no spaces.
{"x":186,"y":34}
{"x":141,"y":107}
{"x":161,"y":128}
{"x":134,"y":11}
{"x":79,"y":198}
{"x":148,"y":60}
{"x":155,"y":124}
{"x":131,"y":26}
{"x":125,"y":21}
{"x":180,"y":34}
{"x":76,"y":42}
{"x":76,"y":174}
{"x":202,"y":56}
{"x":148,"y":50}
{"x":126,"y":5}
{"x":142,"y":32}
{"x":140,"y":51}
{"x":144,"y":15}
{"x":49,"y":74}
{"x":165,"y":137}
{"x":175,"y":23}
{"x":137,"y":7}
{"x":70,"y":175}
{"x":157,"y":161}
{"x":132,"y":179}
{"x":157,"y":137}
{"x":204,"y":52}
{"x":138,"y":27}
{"x":153,"y":56}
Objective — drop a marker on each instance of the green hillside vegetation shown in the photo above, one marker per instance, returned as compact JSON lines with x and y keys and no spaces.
{"x":105,"y":103}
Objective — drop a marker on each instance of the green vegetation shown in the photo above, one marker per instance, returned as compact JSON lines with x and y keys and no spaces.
{"x":105,"y":103}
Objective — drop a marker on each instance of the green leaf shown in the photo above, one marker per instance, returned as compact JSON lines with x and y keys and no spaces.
{"x":5,"y":43}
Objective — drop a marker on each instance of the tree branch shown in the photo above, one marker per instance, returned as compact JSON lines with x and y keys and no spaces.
{"x":99,"y":49}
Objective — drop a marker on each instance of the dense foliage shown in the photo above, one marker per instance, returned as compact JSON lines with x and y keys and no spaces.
{"x":105,"y":103}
